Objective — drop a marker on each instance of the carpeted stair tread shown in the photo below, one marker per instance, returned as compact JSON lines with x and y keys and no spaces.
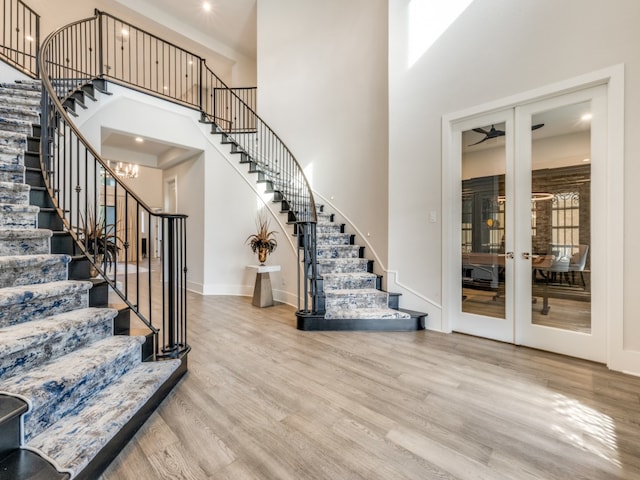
{"x":354,"y":280}
{"x":15,"y":125}
{"x":33,"y":302}
{"x":11,"y":172}
{"x":24,"y":241}
{"x":29,"y":85}
{"x":342,"y":265}
{"x":76,"y":439}
{"x":338,"y":251}
{"x":19,"y":112}
{"x":16,"y":270}
{"x":14,"y":193}
{"x":356,"y":299}
{"x":366,"y":314}
{"x":30,"y":344}
{"x":64,"y":384}
{"x":18,"y":216}
{"x":9,"y":91}
{"x":333,"y":238}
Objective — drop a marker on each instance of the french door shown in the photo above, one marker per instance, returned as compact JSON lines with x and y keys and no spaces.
{"x":530,"y":251}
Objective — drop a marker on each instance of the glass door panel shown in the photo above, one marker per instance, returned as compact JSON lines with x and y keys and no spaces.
{"x":560,"y":147}
{"x":485,"y":283}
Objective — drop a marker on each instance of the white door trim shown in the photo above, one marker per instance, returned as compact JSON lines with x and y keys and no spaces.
{"x":613,"y":77}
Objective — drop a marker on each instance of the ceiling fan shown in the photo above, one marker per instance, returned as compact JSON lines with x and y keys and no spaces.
{"x":494,"y":133}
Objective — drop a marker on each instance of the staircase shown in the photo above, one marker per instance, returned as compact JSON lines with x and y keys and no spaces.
{"x":71,"y":392}
{"x":347,"y":294}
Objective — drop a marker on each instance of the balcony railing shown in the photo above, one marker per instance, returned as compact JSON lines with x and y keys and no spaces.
{"x":20,"y":36}
{"x":108,"y":48}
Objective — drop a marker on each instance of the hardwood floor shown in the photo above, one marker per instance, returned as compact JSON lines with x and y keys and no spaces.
{"x":263,"y":400}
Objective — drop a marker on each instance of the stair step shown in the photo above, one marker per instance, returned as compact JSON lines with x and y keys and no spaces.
{"x":24,"y":464}
{"x":343,"y":265}
{"x":33,"y":302}
{"x":61,"y":386}
{"x":18,"y":126}
{"x":11,"y":172}
{"x":11,"y":91}
{"x":30,"y":344}
{"x":11,"y":408}
{"x":16,"y":270}
{"x":73,"y":441}
{"x":11,"y":155}
{"x":338,"y":251}
{"x":18,"y":216}
{"x":14,"y":193}
{"x":19,"y":112}
{"x":334,"y":239}
{"x":29,"y":85}
{"x":366,"y":314}
{"x":329,"y":228}
{"x":23,"y":241}
{"x":355,"y":299}
{"x":341,"y":281}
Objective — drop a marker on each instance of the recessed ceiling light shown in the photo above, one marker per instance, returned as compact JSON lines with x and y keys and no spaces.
{"x":586,"y":160}
{"x":29,"y":38}
{"x":139,"y":139}
{"x":586,"y":117}
{"x":125,"y":32}
{"x":206,"y":6}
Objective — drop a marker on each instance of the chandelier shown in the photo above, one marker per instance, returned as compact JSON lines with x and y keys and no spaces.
{"x":124,"y":170}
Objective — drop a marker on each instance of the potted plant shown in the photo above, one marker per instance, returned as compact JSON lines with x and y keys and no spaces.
{"x":100,"y":240}
{"x":263,"y":242}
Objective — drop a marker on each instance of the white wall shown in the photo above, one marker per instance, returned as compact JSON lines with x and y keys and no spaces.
{"x":495,"y":49}
{"x":322,"y":86}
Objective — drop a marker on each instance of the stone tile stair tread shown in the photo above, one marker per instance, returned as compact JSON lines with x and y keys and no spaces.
{"x":355,"y":291}
{"x":366,"y":314}
{"x":10,"y":150}
{"x":24,"y":233}
{"x":13,"y":295}
{"x":76,"y":439}
{"x":30,"y":344}
{"x":18,"y":110}
{"x":14,"y":338}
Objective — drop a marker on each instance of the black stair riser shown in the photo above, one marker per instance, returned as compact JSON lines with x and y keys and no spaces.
{"x":32,"y":159}
{"x":63,"y":243}
{"x":50,"y":220}
{"x":79,"y":268}
{"x":40,"y":198}
{"x":99,"y":294}
{"x":25,"y":464}
{"x":394,"y":300}
{"x":11,"y":409}
{"x":33,"y":177}
{"x":122,"y":322}
{"x":33,"y":143}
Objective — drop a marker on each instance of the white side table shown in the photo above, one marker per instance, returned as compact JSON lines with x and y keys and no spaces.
{"x":262,"y":292}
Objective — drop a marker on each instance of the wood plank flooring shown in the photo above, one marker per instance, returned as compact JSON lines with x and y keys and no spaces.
{"x":265,"y":401}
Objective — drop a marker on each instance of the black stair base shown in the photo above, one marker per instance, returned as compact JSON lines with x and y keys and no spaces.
{"x":11,"y":409}
{"x":316,"y":323}
{"x":24,"y":464}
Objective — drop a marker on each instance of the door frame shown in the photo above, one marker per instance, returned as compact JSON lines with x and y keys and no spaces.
{"x":613,"y":78}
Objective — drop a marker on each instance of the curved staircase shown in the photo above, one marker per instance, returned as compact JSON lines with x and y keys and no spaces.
{"x":71,"y":392}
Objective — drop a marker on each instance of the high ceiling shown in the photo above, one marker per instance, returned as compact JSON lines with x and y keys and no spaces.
{"x":231,"y":23}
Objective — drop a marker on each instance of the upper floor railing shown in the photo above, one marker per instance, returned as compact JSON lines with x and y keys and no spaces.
{"x":20,"y":36}
{"x":108,"y":48}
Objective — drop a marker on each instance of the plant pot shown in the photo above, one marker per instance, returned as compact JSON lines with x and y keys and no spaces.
{"x":93,"y":271}
{"x":262,"y":255}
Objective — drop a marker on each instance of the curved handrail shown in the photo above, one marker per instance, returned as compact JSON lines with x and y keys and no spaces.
{"x":98,"y":210}
{"x":108,"y":48}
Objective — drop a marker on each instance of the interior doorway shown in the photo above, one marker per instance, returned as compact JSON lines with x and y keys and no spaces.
{"x":529,"y":264}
